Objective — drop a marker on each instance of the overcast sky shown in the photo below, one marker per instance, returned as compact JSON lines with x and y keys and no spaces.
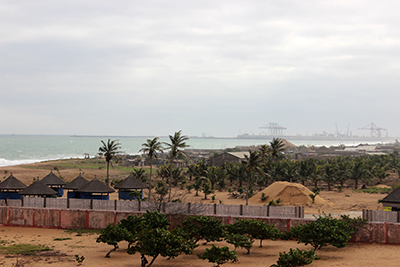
{"x":216,"y":67}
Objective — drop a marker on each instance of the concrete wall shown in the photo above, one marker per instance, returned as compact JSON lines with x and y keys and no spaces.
{"x":381,"y":232}
{"x":170,"y":208}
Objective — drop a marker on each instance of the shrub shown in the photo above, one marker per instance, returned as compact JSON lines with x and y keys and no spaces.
{"x":322,"y":232}
{"x":218,"y":255}
{"x":297,"y":257}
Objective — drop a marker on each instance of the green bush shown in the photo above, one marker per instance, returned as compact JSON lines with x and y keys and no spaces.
{"x":218,"y":255}
{"x":297,"y":257}
{"x":324,"y":231}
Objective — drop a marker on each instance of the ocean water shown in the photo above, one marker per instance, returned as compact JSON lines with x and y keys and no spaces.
{"x":24,"y":149}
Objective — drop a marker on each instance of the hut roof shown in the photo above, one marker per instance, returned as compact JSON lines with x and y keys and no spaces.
{"x":95,"y":186}
{"x":52,"y":179}
{"x":393,"y":197}
{"x":77,"y":183}
{"x":12,"y":183}
{"x":130,"y":182}
{"x":38,"y":188}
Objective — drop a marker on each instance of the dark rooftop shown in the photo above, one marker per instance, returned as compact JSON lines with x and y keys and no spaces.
{"x":52,"y":179}
{"x":95,"y":186}
{"x":77,"y":183}
{"x":12,"y":183}
{"x":130,"y":182}
{"x":38,"y":188}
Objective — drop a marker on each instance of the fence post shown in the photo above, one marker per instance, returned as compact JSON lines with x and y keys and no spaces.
{"x":215,"y":208}
{"x":189,"y":204}
{"x":241,"y":210}
{"x":91,"y":203}
{"x":67,"y":202}
{"x":398,"y":216}
{"x":139,"y":205}
{"x":267,"y":211}
{"x":115,"y":204}
{"x":22,"y":201}
{"x":44,"y":202}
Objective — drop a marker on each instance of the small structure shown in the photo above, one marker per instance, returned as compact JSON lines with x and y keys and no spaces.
{"x":392,"y":200}
{"x":74,"y":185}
{"x":127,"y":186}
{"x":235,"y":157}
{"x":38,"y":189}
{"x":95,"y":189}
{"x":55,"y":183}
{"x":11,"y":187}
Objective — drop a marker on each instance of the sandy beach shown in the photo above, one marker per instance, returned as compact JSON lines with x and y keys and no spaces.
{"x":65,"y":245}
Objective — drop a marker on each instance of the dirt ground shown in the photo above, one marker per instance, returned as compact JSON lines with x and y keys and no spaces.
{"x":345,"y":202}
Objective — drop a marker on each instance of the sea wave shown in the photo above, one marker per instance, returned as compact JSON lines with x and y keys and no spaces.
{"x":7,"y":162}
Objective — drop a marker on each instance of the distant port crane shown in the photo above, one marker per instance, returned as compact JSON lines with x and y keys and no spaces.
{"x":375,"y":130}
{"x":273,"y":128}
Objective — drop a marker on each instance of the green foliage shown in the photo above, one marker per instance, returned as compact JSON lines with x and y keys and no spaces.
{"x":240,"y":241}
{"x":253,"y":228}
{"x":275,"y":203}
{"x":203,"y":227}
{"x":375,"y":190}
{"x":323,"y":231}
{"x":297,"y":257}
{"x":218,"y":255}
{"x":355,"y":223}
{"x":149,"y":234}
{"x":112,"y":235}
{"x":23,"y":249}
{"x":79,"y":259}
{"x":263,"y":197}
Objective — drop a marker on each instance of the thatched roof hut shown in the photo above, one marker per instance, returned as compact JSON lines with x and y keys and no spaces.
{"x":53,"y":180}
{"x":129,"y":183}
{"x":392,"y":200}
{"x":77,"y":183}
{"x":12,"y":183}
{"x":10,"y":187}
{"x":95,"y":189}
{"x":96,"y":186}
{"x":38,"y":188}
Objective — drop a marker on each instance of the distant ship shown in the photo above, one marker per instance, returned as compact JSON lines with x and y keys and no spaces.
{"x":276,"y":131}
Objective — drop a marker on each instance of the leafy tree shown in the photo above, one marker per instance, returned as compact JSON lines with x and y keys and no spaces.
{"x":323,"y":231}
{"x":252,"y":165}
{"x":140,"y":174}
{"x":156,"y":242}
{"x":218,"y":255}
{"x":358,"y":171}
{"x":207,"y":189}
{"x":109,"y":149}
{"x":239,"y":240}
{"x":203,"y":227}
{"x":176,"y":146}
{"x":151,"y":148}
{"x":276,"y":147}
{"x":112,"y":235}
{"x":255,"y":228}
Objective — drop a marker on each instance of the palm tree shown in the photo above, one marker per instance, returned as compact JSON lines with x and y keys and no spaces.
{"x":109,"y":149}
{"x":151,"y":148}
{"x":176,"y":146}
{"x":276,"y":147}
{"x":252,"y":164}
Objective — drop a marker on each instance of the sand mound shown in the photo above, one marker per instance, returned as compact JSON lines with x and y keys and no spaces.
{"x":289,"y":193}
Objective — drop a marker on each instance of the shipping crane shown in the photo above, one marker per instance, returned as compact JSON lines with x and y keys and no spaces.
{"x":273,"y":128}
{"x":375,"y":130}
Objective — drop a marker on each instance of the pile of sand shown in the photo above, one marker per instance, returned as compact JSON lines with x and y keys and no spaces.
{"x":289,"y":194}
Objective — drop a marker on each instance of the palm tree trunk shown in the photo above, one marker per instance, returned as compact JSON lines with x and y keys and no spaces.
{"x":170,"y":181}
{"x":108,"y":174}
{"x":151,"y":169}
